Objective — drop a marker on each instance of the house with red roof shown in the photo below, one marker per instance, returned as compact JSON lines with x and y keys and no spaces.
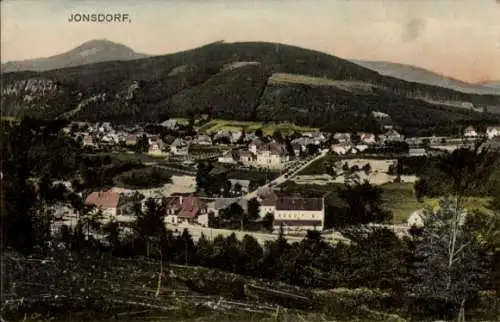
{"x":106,"y":201}
{"x":186,"y":209}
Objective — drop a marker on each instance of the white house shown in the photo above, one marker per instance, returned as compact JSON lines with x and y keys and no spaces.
{"x":179,"y":147}
{"x":235,"y":136}
{"x":88,"y":140}
{"x":268,"y":204}
{"x":416,"y":219}
{"x":470,"y":132}
{"x":255,"y":145}
{"x":341,"y":149}
{"x":342,"y":137}
{"x":156,"y":148}
{"x":367,"y":138}
{"x":391,"y":136}
{"x":226,"y":158}
{"x":492,"y":131}
{"x":361,"y":147}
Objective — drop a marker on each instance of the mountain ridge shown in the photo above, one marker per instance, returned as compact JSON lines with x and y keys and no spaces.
{"x":421,"y":75}
{"x":241,"y":81}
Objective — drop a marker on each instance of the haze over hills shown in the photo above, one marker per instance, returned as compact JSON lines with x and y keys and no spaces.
{"x":421,"y":75}
{"x":492,"y":84}
{"x":94,"y":51}
{"x":252,"y":81}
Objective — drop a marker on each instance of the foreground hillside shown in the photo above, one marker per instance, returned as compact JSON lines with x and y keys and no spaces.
{"x":241,"y":81}
{"x":66,"y":286}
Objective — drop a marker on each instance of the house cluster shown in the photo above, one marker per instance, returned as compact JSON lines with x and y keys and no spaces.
{"x":272,"y":154}
{"x":99,"y":134}
{"x":258,"y":154}
{"x":491,"y":132}
{"x":344,"y":143}
{"x":293,"y":213}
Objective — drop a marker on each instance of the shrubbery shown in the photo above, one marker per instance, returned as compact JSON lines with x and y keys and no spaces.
{"x":144,"y":178}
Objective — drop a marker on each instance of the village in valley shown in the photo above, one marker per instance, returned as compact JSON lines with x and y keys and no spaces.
{"x":273,"y":161}
{"x":229,"y":172}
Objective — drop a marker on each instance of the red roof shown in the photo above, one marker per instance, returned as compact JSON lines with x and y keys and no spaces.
{"x":104,"y":199}
{"x":190,"y":207}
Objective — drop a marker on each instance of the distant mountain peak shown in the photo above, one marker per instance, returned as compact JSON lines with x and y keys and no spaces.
{"x":100,"y":44}
{"x":92,"y":51}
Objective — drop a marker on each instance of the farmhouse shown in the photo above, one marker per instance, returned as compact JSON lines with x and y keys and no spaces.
{"x":470,"y":132}
{"x":106,"y":201}
{"x":391,"y":136}
{"x":227,"y":158}
{"x":268,"y":204}
{"x":185,"y":209}
{"x":179,"y":147}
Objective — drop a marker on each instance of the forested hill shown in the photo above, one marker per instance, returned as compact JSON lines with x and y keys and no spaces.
{"x":244,"y":81}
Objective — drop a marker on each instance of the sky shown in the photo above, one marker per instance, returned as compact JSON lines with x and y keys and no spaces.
{"x":457,"y":38}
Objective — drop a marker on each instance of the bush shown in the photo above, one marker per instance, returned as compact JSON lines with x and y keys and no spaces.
{"x":144,"y":178}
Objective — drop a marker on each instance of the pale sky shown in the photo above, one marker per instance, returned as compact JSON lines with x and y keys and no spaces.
{"x":458,"y":38}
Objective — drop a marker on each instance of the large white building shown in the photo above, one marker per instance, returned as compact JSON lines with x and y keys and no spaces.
{"x":294,"y":213}
{"x":297,"y":213}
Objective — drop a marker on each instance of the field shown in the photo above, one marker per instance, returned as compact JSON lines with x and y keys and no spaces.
{"x":267,"y":128}
{"x":280,"y":78}
{"x":401,"y":200}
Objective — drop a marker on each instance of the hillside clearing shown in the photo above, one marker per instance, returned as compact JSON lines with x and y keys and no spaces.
{"x":350,"y":86}
{"x":267,"y":128}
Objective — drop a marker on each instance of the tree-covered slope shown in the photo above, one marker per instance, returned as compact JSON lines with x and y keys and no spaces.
{"x":243,"y":81}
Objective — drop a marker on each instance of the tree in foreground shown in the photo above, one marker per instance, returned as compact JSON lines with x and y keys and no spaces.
{"x":448,"y":268}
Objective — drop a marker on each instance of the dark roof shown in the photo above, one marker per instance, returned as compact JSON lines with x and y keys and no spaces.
{"x":173,"y":203}
{"x":297,"y":222}
{"x":298,"y":203}
{"x":269,"y":199}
